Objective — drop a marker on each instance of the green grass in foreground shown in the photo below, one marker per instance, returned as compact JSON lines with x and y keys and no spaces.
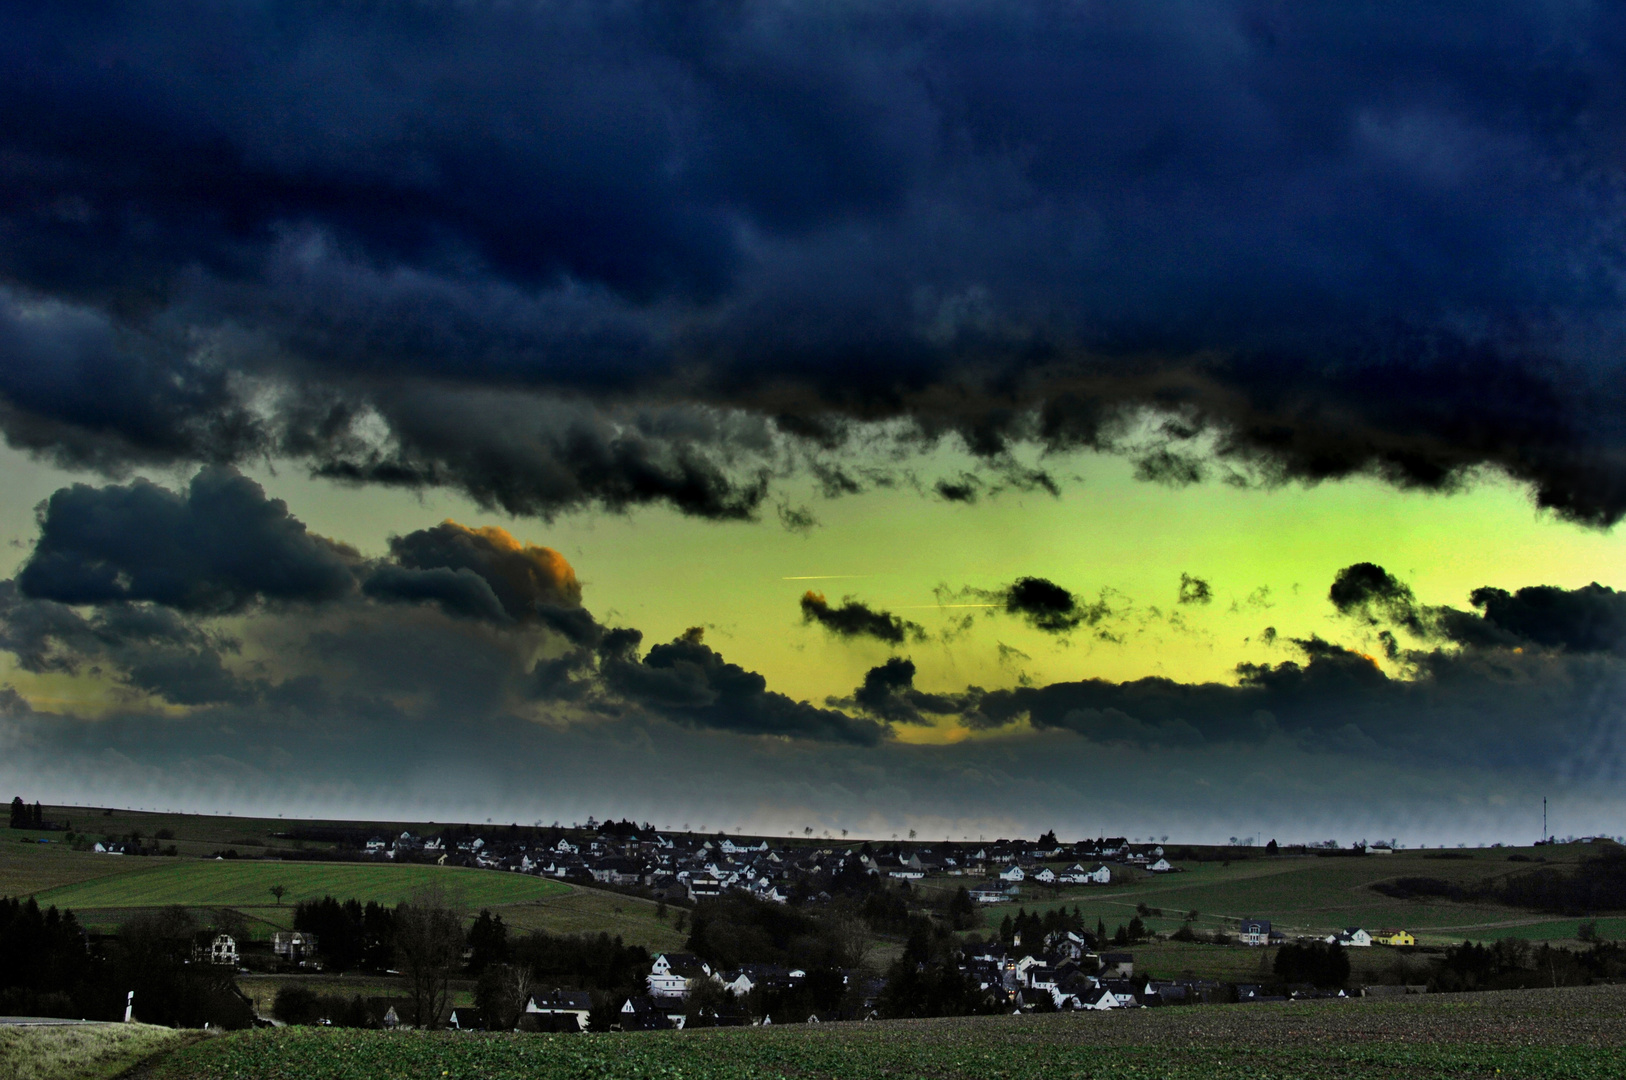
{"x":211,"y":883}
{"x":81,"y":1052}
{"x":1576,"y":1034}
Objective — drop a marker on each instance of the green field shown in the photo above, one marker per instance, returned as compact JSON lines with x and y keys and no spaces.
{"x":238,"y":884}
{"x":592,"y":911}
{"x":1560,"y":1033}
{"x":1319,"y":896}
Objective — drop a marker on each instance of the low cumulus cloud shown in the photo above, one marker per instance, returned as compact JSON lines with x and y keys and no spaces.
{"x":152,"y":592}
{"x":643,"y":255}
{"x":688,"y":682}
{"x":216,"y":548}
{"x":855,"y":619}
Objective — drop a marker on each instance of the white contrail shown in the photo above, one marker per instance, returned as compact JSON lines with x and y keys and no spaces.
{"x":822,"y":577}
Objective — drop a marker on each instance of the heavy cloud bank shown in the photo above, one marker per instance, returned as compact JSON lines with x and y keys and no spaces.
{"x":560,"y":256}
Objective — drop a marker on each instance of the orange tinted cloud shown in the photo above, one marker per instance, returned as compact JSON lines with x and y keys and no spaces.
{"x":522,"y":575}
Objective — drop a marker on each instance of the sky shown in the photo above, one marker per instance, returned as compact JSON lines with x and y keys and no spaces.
{"x":960,"y":418}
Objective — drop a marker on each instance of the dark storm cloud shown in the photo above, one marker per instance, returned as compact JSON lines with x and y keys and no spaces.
{"x":1591,"y":619}
{"x":854,"y":618}
{"x":216,"y":548}
{"x":688,"y":682}
{"x":889,"y":692}
{"x":1500,"y":711}
{"x":1316,"y":241}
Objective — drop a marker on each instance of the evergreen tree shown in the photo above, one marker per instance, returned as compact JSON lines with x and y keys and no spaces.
{"x":488,"y":942}
{"x":19,"y":813}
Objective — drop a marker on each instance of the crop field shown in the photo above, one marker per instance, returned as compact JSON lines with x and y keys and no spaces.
{"x":1318,"y":896}
{"x":245,"y":886}
{"x":29,"y":867}
{"x":81,"y":1051}
{"x":1577,"y":1034}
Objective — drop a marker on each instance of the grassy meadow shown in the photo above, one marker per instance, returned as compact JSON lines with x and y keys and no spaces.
{"x":1544,"y":1033}
{"x":82,"y":1051}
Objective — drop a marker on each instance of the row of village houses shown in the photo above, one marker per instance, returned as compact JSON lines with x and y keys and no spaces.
{"x":1061,"y":973}
{"x":690,"y":868}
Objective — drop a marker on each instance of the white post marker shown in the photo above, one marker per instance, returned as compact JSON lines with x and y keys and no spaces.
{"x":129,"y":1005}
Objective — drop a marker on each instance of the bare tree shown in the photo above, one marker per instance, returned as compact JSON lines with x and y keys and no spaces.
{"x":278,"y":891}
{"x":428,"y":949}
{"x":502,"y":994}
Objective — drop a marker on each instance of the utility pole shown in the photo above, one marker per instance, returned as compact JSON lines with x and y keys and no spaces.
{"x":1544,"y":819}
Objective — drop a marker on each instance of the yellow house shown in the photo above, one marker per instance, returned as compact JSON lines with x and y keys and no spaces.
{"x":1394,"y":937}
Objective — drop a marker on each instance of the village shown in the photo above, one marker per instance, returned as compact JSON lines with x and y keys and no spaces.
{"x":689,"y":868}
{"x":1013,"y":969}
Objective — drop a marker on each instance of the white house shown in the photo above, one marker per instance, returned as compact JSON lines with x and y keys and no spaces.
{"x":1044,"y":875}
{"x":1012,"y":873}
{"x":1352,"y":937}
{"x":1162,"y":866}
{"x":669,"y":976}
{"x":1254,"y":932}
{"x":1100,"y":874}
{"x":1100,"y":998}
{"x":574,"y":1003}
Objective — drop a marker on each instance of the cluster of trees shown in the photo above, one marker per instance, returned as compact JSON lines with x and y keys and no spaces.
{"x":1033,"y":928}
{"x":350,"y":935}
{"x":24,"y":816}
{"x":1597,"y":884}
{"x":1513,"y":963}
{"x":736,"y":928}
{"x":1319,"y":963}
{"x":295,"y":1004}
{"x":927,"y":981}
{"x":48,"y":967}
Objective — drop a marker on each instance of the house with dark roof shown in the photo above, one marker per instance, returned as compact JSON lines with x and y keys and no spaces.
{"x":1254,"y":932}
